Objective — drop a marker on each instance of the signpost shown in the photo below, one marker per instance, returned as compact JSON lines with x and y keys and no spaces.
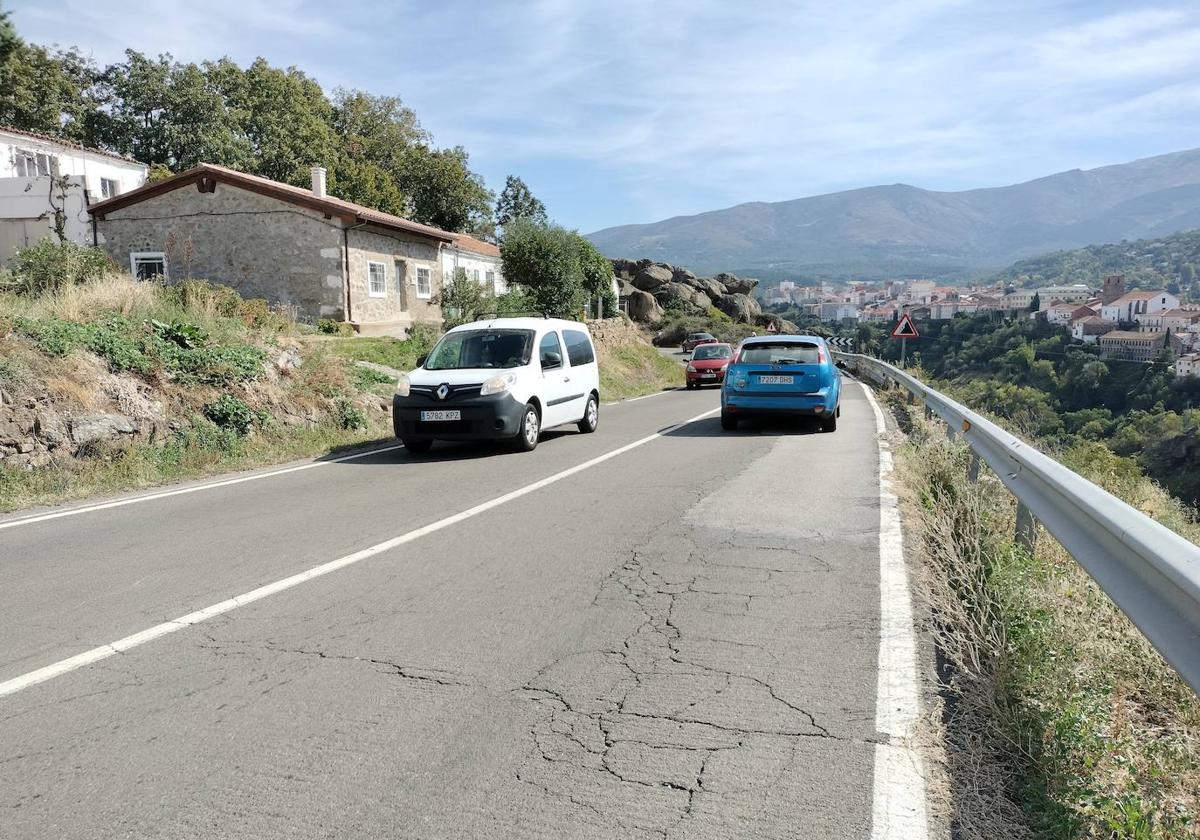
{"x":904,"y":330}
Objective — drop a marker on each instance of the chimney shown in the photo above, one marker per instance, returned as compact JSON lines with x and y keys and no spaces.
{"x":318,"y":181}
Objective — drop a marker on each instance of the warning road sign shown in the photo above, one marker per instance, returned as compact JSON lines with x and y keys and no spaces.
{"x":905,"y":328}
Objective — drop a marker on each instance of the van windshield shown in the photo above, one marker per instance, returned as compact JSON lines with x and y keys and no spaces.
{"x":481,"y":349}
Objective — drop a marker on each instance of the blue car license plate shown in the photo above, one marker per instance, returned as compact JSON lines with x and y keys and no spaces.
{"x":775,"y":380}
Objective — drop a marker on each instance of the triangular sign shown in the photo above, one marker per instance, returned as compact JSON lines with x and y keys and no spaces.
{"x":905,"y":328}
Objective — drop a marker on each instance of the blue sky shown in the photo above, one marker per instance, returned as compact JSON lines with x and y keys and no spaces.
{"x":629,"y":111}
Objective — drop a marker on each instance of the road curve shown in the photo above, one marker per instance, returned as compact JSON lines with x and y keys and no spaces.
{"x":678,"y":640}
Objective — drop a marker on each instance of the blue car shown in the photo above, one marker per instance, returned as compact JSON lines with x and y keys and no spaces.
{"x":782,"y":375}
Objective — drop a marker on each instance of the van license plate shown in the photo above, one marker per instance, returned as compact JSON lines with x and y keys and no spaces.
{"x":775,"y":380}
{"x":434,"y":416}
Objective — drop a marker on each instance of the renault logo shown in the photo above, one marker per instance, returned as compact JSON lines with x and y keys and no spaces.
{"x":443,"y":391}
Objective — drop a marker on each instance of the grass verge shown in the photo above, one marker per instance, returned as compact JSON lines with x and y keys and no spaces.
{"x":1062,"y":721}
{"x":635,"y":370}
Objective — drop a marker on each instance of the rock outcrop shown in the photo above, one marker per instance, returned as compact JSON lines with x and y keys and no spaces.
{"x":652,"y":287}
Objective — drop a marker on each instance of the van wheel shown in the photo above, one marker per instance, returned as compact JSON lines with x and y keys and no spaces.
{"x":417,"y":447}
{"x":728,"y":422}
{"x":591,"y":416}
{"x":829,"y":424}
{"x":531,"y":429}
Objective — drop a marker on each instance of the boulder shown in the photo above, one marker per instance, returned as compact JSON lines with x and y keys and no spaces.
{"x":710,"y":287}
{"x":626,"y":269}
{"x":50,"y":427}
{"x":736,"y":285}
{"x":653,"y":276}
{"x":99,"y":428}
{"x":682,"y":275}
{"x":643,"y":307}
{"x":288,"y":360}
{"x":692,"y":299}
{"x":739,"y":307}
{"x":625,"y":288}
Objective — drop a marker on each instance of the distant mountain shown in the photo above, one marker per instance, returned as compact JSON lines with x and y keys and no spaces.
{"x":1172,"y":261}
{"x":900,"y":230}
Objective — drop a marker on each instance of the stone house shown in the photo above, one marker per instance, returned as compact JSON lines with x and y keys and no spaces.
{"x":304,"y":249}
{"x":1089,"y":328}
{"x":46,"y":182}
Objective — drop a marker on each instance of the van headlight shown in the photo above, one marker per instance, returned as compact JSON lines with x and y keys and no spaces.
{"x":403,"y":387}
{"x":498,"y":384}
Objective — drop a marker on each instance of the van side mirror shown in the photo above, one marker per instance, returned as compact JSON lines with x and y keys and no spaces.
{"x":551,"y":360}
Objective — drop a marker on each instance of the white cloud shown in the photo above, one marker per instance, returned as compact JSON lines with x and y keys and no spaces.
{"x":678,"y":105}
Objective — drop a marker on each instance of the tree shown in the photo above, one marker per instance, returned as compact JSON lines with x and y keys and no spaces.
{"x":8,"y":37}
{"x":461,"y":299}
{"x":517,"y":202}
{"x":597,"y":273}
{"x":45,"y":92}
{"x":375,"y":135}
{"x":1035,"y":304}
{"x":544,"y":261}
{"x":445,"y":192}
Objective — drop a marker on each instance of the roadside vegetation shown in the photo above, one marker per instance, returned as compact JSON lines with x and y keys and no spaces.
{"x":1061,"y":720}
{"x":676,"y":325}
{"x":635,"y":370}
{"x":109,"y":384}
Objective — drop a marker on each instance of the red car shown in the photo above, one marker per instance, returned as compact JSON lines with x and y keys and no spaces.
{"x":708,"y":364}
{"x":694,"y":340}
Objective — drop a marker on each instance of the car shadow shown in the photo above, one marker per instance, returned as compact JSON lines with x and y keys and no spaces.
{"x":762,"y":426}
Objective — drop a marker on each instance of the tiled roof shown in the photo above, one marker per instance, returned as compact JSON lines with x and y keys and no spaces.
{"x":1128,"y":335}
{"x":275,"y":189}
{"x":68,"y":144}
{"x":477,"y":246}
{"x":1132,"y":296}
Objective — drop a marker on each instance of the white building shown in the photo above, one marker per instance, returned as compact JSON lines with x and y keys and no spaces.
{"x":43,"y":179}
{"x":480,"y":260}
{"x":1187,"y":365}
{"x":1131,"y":306}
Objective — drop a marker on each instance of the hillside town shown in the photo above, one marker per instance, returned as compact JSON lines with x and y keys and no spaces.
{"x":1132,"y":325}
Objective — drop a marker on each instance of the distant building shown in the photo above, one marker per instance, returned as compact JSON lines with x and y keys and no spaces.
{"x":30,"y":196}
{"x":1175,"y":320}
{"x":1114,"y":287}
{"x":1135,"y":346}
{"x":1089,"y":328}
{"x":1062,"y":314}
{"x":1188,"y":365}
{"x":1131,"y":306}
{"x":838,"y":311}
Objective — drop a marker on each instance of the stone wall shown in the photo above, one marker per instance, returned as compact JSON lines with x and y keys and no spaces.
{"x":611,"y":333}
{"x":400,"y":304}
{"x":263,"y":247}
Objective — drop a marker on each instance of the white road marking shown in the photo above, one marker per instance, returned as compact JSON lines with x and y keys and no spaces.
{"x":898,"y":810}
{"x":226,"y":482}
{"x":64,"y":666}
{"x":195,"y":488}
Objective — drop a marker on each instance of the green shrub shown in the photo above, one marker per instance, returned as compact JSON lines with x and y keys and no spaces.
{"x":181,"y":333}
{"x":348,"y":415}
{"x":364,"y":378}
{"x":229,"y":412}
{"x":328,"y":326}
{"x":201,"y":298}
{"x":49,"y":266}
{"x":257,"y":313}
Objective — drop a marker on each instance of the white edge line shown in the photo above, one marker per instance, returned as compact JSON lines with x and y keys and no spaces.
{"x":195,"y":488}
{"x":898,"y":808}
{"x":64,"y":666}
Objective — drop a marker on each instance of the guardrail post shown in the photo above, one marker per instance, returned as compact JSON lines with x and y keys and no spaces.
{"x":1026,"y":528}
{"x":973,"y":468}
{"x":928,"y":413}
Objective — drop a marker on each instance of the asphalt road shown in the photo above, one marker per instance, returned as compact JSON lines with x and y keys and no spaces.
{"x":677,"y":641}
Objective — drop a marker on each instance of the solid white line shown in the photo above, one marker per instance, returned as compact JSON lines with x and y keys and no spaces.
{"x":898,"y":810}
{"x":121,"y":645}
{"x":196,"y":488}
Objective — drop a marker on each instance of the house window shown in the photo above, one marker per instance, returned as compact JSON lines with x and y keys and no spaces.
{"x":475,"y":275}
{"x":376,"y":279}
{"x":109,"y":188}
{"x":401,"y":276}
{"x":31,"y":164}
{"x":491,"y":279}
{"x":148,"y":265}
{"x":424,"y":285}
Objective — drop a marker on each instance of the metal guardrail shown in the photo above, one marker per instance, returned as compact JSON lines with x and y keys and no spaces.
{"x":1149,"y":571}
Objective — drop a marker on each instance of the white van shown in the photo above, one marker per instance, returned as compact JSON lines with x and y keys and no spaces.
{"x":498,"y":379}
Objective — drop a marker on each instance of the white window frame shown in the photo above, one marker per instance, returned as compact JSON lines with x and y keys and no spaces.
{"x":110,"y":188}
{"x":382,"y":292}
{"x":136,"y":257}
{"x":489,"y":278}
{"x":427,"y":273}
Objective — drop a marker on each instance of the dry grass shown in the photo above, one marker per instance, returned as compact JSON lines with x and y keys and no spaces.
{"x":1061,"y":721}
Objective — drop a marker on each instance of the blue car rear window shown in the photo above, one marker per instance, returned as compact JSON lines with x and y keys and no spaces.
{"x":783,"y":353}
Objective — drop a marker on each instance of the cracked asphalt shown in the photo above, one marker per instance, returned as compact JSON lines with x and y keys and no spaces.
{"x":677,"y":642}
